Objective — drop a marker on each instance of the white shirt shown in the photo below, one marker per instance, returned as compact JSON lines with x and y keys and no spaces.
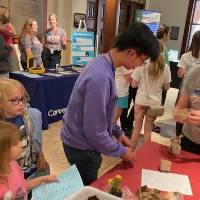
{"x":149,"y":91}
{"x":188,"y":62}
{"x":122,"y":85}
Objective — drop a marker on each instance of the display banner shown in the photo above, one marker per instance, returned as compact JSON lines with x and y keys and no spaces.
{"x":148,"y":17}
{"x":82,"y":47}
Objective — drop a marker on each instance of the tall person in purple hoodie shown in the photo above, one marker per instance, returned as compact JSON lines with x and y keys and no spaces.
{"x":88,"y":128}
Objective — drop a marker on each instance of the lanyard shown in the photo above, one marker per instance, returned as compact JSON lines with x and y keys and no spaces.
{"x":110,"y":61}
{"x":53,"y":35}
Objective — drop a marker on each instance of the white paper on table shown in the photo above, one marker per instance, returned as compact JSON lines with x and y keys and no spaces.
{"x":166,"y":181}
{"x":52,"y":74}
{"x":27,"y":74}
{"x":67,"y":72}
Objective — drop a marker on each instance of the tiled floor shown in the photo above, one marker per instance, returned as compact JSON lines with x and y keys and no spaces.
{"x":53,"y":150}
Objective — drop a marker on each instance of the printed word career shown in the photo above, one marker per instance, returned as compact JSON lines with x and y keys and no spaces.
{"x":52,"y":113}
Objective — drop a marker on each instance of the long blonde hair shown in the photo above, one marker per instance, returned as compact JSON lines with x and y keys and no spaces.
{"x":26,"y":30}
{"x":156,"y":68}
{"x":6,"y":85}
{"x":9,"y":136}
{"x":3,"y":10}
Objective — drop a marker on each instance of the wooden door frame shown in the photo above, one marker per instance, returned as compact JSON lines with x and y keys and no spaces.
{"x":187,"y":28}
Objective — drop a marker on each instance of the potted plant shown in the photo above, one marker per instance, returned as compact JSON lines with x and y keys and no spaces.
{"x":115,"y":186}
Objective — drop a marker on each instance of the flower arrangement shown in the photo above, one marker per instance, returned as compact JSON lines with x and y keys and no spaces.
{"x":115,"y":186}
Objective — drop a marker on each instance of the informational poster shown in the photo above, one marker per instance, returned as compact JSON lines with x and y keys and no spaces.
{"x":82,"y":47}
{"x":68,"y":183}
{"x":148,"y":17}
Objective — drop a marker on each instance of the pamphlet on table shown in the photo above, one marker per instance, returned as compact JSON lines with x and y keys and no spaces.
{"x":68,"y":183}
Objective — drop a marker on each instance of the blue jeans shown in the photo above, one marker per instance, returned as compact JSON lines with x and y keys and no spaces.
{"x":87,"y":162}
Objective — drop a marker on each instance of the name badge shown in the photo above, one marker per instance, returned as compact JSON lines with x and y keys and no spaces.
{"x":52,"y":51}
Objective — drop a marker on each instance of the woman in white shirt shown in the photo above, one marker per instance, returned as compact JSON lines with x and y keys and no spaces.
{"x":188,"y":61}
{"x":150,"y":79}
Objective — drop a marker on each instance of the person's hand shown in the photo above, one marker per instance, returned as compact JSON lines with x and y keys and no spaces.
{"x":176,"y":139}
{"x":124,"y":140}
{"x":129,"y":156}
{"x":41,"y":65}
{"x":63,"y":40}
{"x":194,"y":117}
{"x":50,"y":178}
{"x":42,"y":164}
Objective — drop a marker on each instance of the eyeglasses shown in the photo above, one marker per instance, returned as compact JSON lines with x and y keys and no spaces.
{"x":17,"y":100}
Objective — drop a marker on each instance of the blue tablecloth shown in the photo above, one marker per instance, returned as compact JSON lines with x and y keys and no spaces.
{"x":48,"y":94}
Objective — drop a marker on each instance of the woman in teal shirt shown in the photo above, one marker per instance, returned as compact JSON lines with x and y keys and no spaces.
{"x":163,"y":34}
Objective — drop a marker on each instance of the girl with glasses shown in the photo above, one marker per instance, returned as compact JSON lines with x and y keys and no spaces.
{"x":13,"y":108}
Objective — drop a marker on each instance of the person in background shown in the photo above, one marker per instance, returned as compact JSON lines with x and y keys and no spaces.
{"x":29,"y":45}
{"x":55,"y":41}
{"x":12,"y":183}
{"x":2,"y":47}
{"x":187,"y":112}
{"x":4,"y":58}
{"x":6,"y":28}
{"x":151,"y":79}
{"x":188,"y":61}
{"x":7,"y":31}
{"x":163,"y":34}
{"x":122,"y":81}
{"x":88,"y":127}
{"x":127,"y":117}
{"x":13,"y":108}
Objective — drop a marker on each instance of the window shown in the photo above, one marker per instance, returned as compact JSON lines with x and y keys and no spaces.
{"x":195,"y":22}
{"x":192,"y":24}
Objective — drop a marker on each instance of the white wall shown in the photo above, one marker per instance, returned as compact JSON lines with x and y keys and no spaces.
{"x":173,"y":13}
{"x":79,"y":6}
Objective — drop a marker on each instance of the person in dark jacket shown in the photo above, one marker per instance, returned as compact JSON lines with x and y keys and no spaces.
{"x":4,"y":58}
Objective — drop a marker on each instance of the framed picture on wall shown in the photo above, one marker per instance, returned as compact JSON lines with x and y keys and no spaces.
{"x":90,"y":12}
{"x":77,"y":18}
{"x":121,"y":15}
{"x":102,"y":12}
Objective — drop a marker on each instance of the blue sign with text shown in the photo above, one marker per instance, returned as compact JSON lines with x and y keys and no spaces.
{"x":82,"y":47}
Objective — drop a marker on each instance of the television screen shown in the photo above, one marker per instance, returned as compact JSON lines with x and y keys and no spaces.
{"x":173,"y":55}
{"x":148,"y":17}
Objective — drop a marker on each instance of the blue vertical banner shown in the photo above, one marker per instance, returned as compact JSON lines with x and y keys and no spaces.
{"x":82,"y":47}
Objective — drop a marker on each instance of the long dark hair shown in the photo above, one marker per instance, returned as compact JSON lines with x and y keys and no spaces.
{"x":195,"y":44}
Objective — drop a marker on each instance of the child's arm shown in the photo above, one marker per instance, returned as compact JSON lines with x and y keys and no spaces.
{"x":134,"y":83}
{"x":128,"y":77}
{"x":135,"y":78}
{"x":166,"y":86}
{"x":30,"y":184}
{"x":181,"y":72}
{"x":42,"y":164}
